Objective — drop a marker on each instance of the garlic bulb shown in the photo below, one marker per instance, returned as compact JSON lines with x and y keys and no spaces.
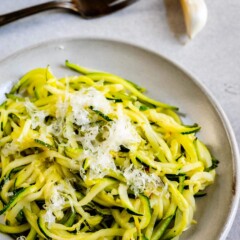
{"x":195,"y":16}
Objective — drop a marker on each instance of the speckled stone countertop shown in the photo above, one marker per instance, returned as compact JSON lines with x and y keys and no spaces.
{"x":213,"y":56}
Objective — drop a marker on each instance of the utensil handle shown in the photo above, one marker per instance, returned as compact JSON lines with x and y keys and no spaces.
{"x":10,"y":17}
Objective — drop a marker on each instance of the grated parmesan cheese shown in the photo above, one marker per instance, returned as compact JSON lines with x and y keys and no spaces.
{"x":49,"y":217}
{"x":56,"y":203}
{"x":89,"y":142}
{"x":102,"y":162}
{"x":37,"y":116}
{"x":139,"y":181}
{"x":10,"y":148}
{"x":57,"y":200}
{"x":61,"y":108}
{"x":37,"y":120}
{"x":121,"y":132}
{"x":56,"y":128}
{"x":116,"y":133}
{"x":85,"y":98}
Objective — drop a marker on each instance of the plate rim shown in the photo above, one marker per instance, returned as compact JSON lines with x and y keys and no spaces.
{"x":208,"y":94}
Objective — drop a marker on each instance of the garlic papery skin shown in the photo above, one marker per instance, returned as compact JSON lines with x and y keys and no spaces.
{"x":195,"y":16}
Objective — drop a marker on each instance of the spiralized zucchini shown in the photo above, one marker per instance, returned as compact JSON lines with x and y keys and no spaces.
{"x":91,"y":157}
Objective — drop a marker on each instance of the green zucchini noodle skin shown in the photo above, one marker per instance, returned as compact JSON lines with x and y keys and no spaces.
{"x":90,"y":156}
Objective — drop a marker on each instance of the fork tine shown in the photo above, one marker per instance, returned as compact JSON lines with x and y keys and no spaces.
{"x":115,"y":7}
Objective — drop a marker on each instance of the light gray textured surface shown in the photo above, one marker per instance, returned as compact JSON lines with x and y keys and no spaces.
{"x":213,"y":57}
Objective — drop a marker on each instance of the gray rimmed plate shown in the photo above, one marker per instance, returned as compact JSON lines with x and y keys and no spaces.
{"x":166,"y":82}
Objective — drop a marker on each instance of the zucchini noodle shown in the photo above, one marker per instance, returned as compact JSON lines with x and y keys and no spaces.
{"x":92,"y":157}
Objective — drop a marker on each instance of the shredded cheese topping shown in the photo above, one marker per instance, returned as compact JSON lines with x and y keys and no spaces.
{"x":139,"y":181}
{"x":56,"y":203}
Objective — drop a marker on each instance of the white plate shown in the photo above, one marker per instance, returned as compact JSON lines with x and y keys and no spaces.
{"x":165,"y":82}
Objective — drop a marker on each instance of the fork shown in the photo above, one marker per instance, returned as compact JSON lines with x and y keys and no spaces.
{"x":85,"y":8}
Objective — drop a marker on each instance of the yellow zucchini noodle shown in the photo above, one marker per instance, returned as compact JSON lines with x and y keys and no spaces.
{"x":91,"y":157}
